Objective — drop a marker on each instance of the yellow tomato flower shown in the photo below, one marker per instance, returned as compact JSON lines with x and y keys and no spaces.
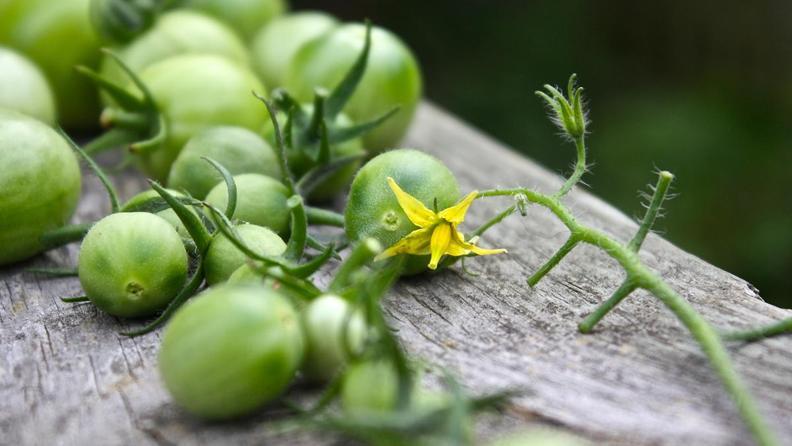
{"x":437,"y":232}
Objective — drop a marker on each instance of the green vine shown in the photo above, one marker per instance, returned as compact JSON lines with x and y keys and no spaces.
{"x":569,"y":116}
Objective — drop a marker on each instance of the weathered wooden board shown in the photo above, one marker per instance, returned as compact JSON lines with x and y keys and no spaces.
{"x":67,"y":377}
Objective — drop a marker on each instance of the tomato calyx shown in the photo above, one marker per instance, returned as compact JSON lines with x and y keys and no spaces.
{"x":135,"y":121}
{"x":312,"y":132}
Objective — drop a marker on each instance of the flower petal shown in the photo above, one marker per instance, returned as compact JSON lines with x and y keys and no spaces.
{"x":441,"y":238}
{"x":483,"y":252}
{"x":416,"y":211}
{"x":459,"y":239}
{"x":456,"y":213}
{"x":416,"y":242}
{"x":457,"y":247}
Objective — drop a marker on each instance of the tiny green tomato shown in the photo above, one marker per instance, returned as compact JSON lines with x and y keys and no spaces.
{"x":371,"y":387}
{"x":261,"y":200}
{"x":195,"y":92}
{"x":56,"y":35}
{"x":392,"y":78}
{"x":176,"y":33}
{"x":275,"y":45}
{"x":372,"y":209}
{"x":134,"y":205}
{"x":328,"y":322}
{"x":231,"y":350}
{"x":243,"y":16}
{"x":223,"y":258}
{"x":39,"y":184}
{"x":238,"y":149}
{"x":132,"y":264}
{"x":539,"y":437}
{"x":246,"y":274}
{"x":24,"y":88}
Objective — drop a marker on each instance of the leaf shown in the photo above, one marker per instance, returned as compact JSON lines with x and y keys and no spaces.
{"x":299,"y":229}
{"x":111,"y":191}
{"x":230,"y":185}
{"x":346,"y":88}
{"x":338,"y":135}
{"x":314,"y":177}
{"x":191,"y":222}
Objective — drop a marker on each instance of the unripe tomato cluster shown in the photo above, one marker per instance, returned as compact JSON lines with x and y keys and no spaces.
{"x":232,"y":225}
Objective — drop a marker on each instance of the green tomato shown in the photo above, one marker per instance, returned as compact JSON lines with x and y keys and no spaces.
{"x":132,"y":264}
{"x":246,"y":274}
{"x":176,"y":33}
{"x":57,"y":36}
{"x":539,"y":437}
{"x":392,"y":78}
{"x":39,"y":184}
{"x":324,"y":322}
{"x":195,"y":92}
{"x":238,"y":149}
{"x":230,"y":350}
{"x":372,"y":209}
{"x":371,"y":387}
{"x":275,"y":45}
{"x":244,"y":16}
{"x":24,"y":88}
{"x":301,"y":162}
{"x":261,"y":200}
{"x":223,"y":258}
{"x":169,"y":215}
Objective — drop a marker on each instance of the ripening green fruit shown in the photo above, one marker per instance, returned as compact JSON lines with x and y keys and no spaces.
{"x":132,"y":264}
{"x":539,"y":437}
{"x":275,"y":45}
{"x":175,"y":33}
{"x":194,"y":92}
{"x":223,"y":257}
{"x":238,"y":149}
{"x":245,"y":17}
{"x":24,"y":88}
{"x":261,"y":200}
{"x":371,"y":387}
{"x":39,"y":184}
{"x":328,"y":322}
{"x":137,"y":204}
{"x":230,"y":350}
{"x":372,"y":209}
{"x":57,"y":36}
{"x":392,"y":78}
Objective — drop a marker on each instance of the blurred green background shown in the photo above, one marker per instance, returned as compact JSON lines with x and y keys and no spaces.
{"x":703,"y":89}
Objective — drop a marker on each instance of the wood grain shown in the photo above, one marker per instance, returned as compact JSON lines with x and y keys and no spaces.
{"x":67,"y":377}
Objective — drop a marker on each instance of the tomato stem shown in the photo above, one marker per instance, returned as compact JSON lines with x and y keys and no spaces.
{"x":54,"y":272}
{"x":324,"y":217}
{"x":642,"y":277}
{"x":75,"y":300}
{"x":65,"y":235}
{"x":361,"y":254}
{"x":664,"y":180}
{"x":299,"y":229}
{"x":756,"y":334}
{"x":619,"y":295}
{"x":562,"y":252}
